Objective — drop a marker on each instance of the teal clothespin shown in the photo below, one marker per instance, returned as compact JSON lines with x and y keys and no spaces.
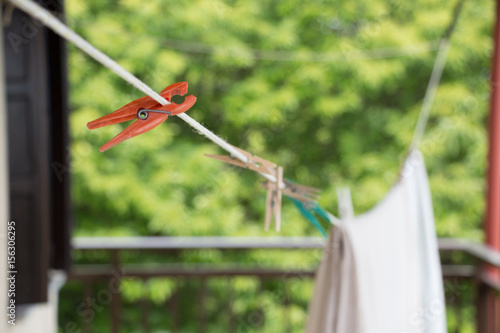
{"x":307,"y":212}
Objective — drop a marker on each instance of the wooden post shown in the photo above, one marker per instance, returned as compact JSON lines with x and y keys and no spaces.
{"x":4,"y":186}
{"x":491,"y":303}
{"x":117,"y":297}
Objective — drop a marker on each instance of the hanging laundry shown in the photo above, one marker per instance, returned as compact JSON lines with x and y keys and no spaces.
{"x":380,"y":271}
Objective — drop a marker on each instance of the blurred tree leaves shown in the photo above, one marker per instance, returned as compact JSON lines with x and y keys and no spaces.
{"x":331,"y":91}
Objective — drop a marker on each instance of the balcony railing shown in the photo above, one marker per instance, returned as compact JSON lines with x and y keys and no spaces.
{"x":468,"y":267}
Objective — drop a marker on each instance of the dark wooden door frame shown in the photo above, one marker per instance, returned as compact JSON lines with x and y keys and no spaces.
{"x":37,"y":109}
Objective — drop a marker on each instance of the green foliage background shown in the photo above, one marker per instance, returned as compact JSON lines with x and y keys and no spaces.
{"x":296,"y":82}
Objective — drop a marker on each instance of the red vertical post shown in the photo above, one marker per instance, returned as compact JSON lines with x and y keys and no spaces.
{"x":491,"y":303}
{"x":492,"y":223}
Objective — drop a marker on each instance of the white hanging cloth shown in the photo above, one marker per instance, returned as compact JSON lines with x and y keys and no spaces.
{"x":380,"y":271}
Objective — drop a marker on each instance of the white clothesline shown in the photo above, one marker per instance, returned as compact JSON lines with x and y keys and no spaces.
{"x":64,"y":31}
{"x":437,"y":71}
{"x":349,"y":54}
{"x":430,"y":94}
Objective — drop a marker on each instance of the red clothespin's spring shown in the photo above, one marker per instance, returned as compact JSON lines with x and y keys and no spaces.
{"x":148,"y":112}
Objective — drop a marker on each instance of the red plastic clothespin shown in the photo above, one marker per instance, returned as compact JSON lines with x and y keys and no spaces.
{"x":148,"y":112}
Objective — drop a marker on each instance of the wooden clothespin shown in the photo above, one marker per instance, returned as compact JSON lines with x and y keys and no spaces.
{"x":273,"y":200}
{"x":275,"y":190}
{"x":258,"y":164}
{"x":301,"y":192}
{"x":255,"y":163}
